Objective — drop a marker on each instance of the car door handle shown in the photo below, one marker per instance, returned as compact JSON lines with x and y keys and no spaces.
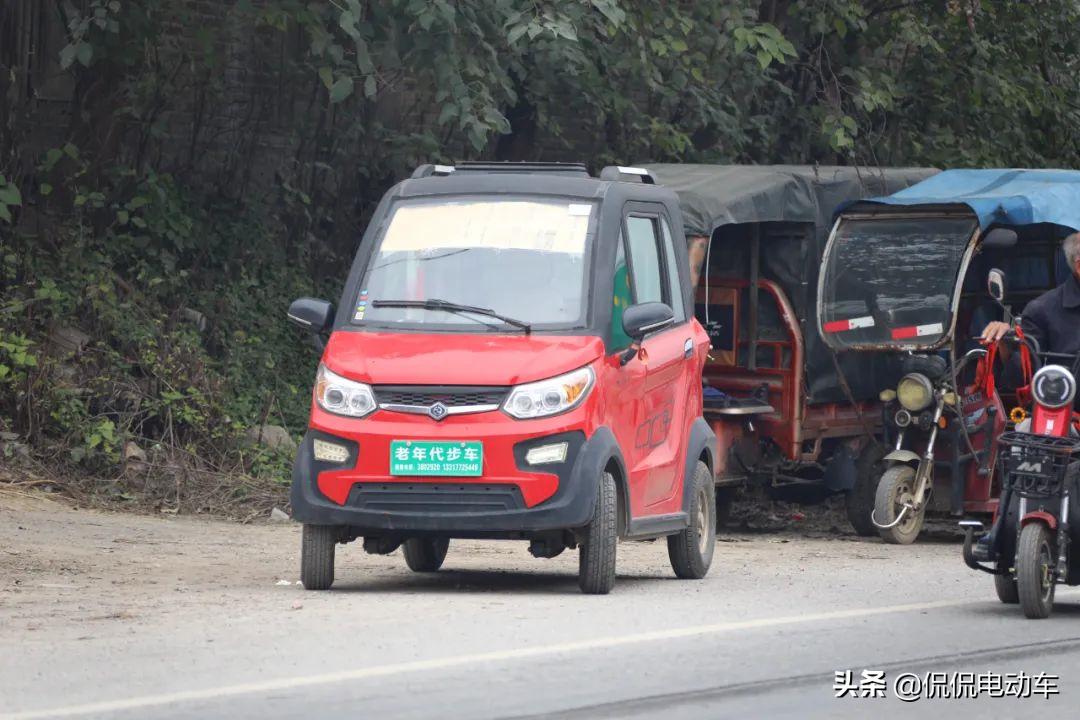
{"x":688,"y":348}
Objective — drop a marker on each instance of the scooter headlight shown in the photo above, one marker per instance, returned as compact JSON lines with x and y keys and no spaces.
{"x":342,"y":396}
{"x":1053,"y":387}
{"x":550,"y":397}
{"x":915,"y":392}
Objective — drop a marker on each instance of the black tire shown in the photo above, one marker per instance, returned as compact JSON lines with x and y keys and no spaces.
{"x":596,"y":554}
{"x":425,"y":554}
{"x":725,"y":498}
{"x":1006,"y":589}
{"x":896,"y":484}
{"x":1035,"y":571}
{"x":859,"y":501}
{"x":691,"y":551}
{"x":317,"y":556}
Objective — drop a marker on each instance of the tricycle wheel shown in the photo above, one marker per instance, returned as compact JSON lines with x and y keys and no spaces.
{"x":859,"y":500}
{"x":425,"y":554}
{"x":894,"y":490}
{"x":596,"y":554}
{"x":691,"y":550}
{"x":1035,"y":579}
{"x":1005,"y":586}
{"x":317,"y":556}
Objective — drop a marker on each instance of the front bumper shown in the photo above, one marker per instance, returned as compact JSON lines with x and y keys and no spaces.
{"x":511,"y":499}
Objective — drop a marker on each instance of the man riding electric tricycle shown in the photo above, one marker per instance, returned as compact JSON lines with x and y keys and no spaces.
{"x":515,"y":355}
{"x":904,"y":273}
{"x":1029,"y":546}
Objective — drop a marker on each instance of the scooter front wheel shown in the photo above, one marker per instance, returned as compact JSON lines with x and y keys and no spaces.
{"x":1035,"y":571}
{"x":896,"y":491}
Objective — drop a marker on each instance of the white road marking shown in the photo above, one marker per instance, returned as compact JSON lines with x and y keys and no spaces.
{"x":444,"y":663}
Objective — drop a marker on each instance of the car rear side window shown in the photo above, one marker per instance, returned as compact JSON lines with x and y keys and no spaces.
{"x":646,"y":269}
{"x":673,"y":273}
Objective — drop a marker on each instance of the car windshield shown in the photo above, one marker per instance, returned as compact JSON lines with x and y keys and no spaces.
{"x":523,"y":258}
{"x":891,"y":281}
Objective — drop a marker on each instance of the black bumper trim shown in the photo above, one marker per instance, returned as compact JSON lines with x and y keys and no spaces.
{"x":571,"y":506}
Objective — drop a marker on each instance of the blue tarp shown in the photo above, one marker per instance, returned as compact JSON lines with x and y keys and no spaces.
{"x":1001,"y":197}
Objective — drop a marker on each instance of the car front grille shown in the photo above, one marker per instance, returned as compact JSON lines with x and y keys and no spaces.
{"x":436,"y":498}
{"x":449,"y":395}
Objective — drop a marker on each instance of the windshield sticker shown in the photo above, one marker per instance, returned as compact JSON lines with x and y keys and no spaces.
{"x":912,"y":331}
{"x":361,"y":306}
{"x":579,"y":210}
{"x":851,"y":324}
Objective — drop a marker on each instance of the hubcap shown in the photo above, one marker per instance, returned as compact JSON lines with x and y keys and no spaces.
{"x":904,"y":496}
{"x":702,"y":520}
{"x":1045,"y":571}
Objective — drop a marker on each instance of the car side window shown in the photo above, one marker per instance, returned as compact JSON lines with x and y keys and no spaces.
{"x":622,"y":300}
{"x":673,"y":274}
{"x":646,"y":268}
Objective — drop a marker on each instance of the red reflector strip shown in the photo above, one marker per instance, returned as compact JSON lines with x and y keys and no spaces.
{"x":911,"y":331}
{"x":850,"y":324}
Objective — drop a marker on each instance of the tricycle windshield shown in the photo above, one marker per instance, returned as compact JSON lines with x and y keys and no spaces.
{"x":892,"y":280}
{"x":523,"y":258}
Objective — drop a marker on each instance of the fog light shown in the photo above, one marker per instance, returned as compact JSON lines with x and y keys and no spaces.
{"x":330,"y":452}
{"x":554,"y":453}
{"x":903,"y":418}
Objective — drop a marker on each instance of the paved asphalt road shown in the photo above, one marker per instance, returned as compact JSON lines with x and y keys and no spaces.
{"x":186,"y":619}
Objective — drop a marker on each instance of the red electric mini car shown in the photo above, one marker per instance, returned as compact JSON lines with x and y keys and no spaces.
{"x":515,"y":355}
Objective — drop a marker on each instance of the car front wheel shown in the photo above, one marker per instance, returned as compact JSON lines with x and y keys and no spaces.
{"x":596,"y":554}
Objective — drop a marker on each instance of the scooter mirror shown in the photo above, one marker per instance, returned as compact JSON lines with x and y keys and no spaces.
{"x":995,"y":284}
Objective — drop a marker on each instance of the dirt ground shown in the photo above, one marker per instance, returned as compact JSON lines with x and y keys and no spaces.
{"x":89,"y":566}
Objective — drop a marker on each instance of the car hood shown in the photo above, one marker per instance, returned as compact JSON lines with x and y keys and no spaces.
{"x":396,"y":358}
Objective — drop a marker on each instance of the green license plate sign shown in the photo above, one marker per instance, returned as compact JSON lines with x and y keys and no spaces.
{"x":430,"y":458}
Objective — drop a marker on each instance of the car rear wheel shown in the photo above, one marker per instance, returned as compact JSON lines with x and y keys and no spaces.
{"x":1035,"y":571}
{"x":691,"y":550}
{"x":596,"y":554}
{"x":425,"y":554}
{"x":896,"y":489}
{"x":317,"y":556}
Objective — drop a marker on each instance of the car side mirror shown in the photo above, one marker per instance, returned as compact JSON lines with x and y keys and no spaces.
{"x":1000,"y":238}
{"x":311,"y":314}
{"x":644,"y":318}
{"x":995,"y":285}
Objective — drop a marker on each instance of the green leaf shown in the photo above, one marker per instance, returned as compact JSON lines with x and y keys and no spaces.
{"x":67,"y":56}
{"x":45,"y":189}
{"x":764,"y":58}
{"x":327,"y":76}
{"x":370,"y":87}
{"x":122,"y":217}
{"x":679,"y":46}
{"x":85,"y":53}
{"x":516,"y":32}
{"x":342,"y":89}
{"x":5,"y":214}
{"x":10,"y":195}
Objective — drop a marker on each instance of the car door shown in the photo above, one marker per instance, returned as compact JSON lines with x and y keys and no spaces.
{"x":666,"y":359}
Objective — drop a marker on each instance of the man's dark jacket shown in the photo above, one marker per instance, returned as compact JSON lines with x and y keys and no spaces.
{"x":1054,"y":318}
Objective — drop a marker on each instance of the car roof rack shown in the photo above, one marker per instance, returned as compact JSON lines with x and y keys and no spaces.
{"x":619,"y":172}
{"x":528,"y":168}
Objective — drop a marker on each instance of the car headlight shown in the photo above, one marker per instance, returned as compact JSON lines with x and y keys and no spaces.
{"x":550,"y":397}
{"x":341,"y":396}
{"x":915,"y":392}
{"x":1053,"y":387}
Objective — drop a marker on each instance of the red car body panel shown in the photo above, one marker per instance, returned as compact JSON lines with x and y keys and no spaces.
{"x":649,"y":404}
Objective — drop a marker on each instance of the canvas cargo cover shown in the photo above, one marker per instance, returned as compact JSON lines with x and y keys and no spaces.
{"x":713,"y":196}
{"x":1001,"y":197}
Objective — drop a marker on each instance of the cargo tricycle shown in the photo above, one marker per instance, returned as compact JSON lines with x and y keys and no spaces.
{"x":903,"y":275}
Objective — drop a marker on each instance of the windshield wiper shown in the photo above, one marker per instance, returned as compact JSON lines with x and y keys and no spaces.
{"x":446,"y":306}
